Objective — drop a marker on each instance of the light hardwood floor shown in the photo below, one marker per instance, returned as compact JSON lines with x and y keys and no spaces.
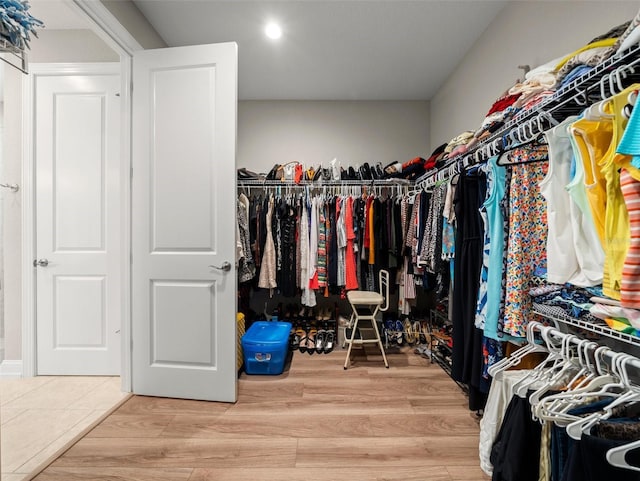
{"x":315,"y":422}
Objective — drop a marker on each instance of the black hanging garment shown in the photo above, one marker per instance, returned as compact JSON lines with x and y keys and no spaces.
{"x":288,"y":234}
{"x":467,"y":357}
{"x":515,"y":454}
{"x":332,"y":238}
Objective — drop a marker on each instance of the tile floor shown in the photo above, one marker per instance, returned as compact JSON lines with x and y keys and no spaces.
{"x":40,"y":415}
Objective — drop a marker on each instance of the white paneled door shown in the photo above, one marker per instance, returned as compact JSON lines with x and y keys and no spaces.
{"x":77,"y":224}
{"x":184,"y":222}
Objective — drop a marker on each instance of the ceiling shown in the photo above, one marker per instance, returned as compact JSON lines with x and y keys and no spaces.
{"x":329,"y":50}
{"x":332,"y":50}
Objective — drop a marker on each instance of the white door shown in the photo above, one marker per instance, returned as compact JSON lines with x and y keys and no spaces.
{"x":77,"y":224}
{"x":184,"y":222}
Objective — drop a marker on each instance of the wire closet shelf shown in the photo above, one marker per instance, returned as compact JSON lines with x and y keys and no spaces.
{"x":602,"y":81}
{"x":13,"y":56}
{"x":591,"y":327}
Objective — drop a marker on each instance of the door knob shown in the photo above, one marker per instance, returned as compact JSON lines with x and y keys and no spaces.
{"x":225,"y":267}
{"x":40,"y":262}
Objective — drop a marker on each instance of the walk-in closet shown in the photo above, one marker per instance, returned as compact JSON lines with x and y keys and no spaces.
{"x":365,"y":240}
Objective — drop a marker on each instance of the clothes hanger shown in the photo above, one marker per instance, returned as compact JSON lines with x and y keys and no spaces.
{"x":626,"y":394}
{"x":556,"y":406}
{"x":617,"y":456}
{"x":562,"y":364}
{"x":539,"y":140}
{"x":597,"y":111}
{"x":516,"y":357}
{"x":602,"y":83}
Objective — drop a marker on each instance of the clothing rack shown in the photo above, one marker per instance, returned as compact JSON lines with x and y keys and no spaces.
{"x":604,"y":80}
{"x":321,"y":183}
{"x":401,"y":186}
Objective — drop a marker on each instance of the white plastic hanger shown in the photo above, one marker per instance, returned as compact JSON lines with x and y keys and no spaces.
{"x":542,"y":371}
{"x":564,"y":366}
{"x":556,"y":406}
{"x":515,"y":358}
{"x":621,"y":392}
{"x":597,"y":111}
{"x":617,"y":456}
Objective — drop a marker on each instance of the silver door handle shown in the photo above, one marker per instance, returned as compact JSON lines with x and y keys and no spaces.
{"x":40,"y":262}
{"x":225,"y":267}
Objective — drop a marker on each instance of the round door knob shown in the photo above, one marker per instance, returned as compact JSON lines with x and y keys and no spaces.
{"x":41,"y":262}
{"x":225,"y":267}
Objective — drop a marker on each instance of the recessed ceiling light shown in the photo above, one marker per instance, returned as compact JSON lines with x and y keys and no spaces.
{"x":273,"y":31}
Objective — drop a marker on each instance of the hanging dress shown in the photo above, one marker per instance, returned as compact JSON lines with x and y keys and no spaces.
{"x":268,"y":267}
{"x":467,"y":358}
{"x":350,"y":256}
{"x":322,"y":245}
{"x":313,"y":246}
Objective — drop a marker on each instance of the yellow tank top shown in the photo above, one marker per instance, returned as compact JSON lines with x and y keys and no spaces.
{"x":593,"y":139}
{"x":617,"y":228}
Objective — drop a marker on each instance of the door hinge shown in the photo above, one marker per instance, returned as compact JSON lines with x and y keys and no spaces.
{"x":131,"y":172}
{"x":131,"y":258}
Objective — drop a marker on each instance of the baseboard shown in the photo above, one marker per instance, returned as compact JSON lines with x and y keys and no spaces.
{"x":10,"y":368}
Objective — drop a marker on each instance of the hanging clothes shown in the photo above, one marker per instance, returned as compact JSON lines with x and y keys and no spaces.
{"x":526,"y":251}
{"x":308,"y":297}
{"x":467,"y":359}
{"x":313,"y":246}
{"x":342,"y":242}
{"x":495,"y":226}
{"x":246,"y":267}
{"x":617,"y":226}
{"x":574,"y":251}
{"x":481,"y":301}
{"x":590,"y":140}
{"x":333,"y":243}
{"x":322,"y":245}
{"x":268,"y":267}
{"x":288,"y":285}
{"x":626,"y":158}
{"x":351,"y":277}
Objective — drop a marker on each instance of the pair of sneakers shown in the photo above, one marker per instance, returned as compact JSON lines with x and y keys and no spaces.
{"x":393,"y":332}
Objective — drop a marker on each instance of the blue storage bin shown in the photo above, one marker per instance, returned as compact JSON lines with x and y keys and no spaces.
{"x":265,"y":346}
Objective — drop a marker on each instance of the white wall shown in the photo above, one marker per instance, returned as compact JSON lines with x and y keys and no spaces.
{"x":533,"y":33}
{"x":2,"y":287}
{"x":79,"y":45}
{"x":131,"y":18}
{"x":12,"y":213}
{"x":314,"y":132}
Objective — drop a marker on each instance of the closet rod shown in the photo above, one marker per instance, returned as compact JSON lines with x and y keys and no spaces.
{"x":326,"y":183}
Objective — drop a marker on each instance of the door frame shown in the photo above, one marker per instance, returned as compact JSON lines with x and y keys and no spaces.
{"x":109,"y":29}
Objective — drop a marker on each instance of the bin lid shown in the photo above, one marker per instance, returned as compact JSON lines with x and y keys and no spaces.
{"x":267,"y":332}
